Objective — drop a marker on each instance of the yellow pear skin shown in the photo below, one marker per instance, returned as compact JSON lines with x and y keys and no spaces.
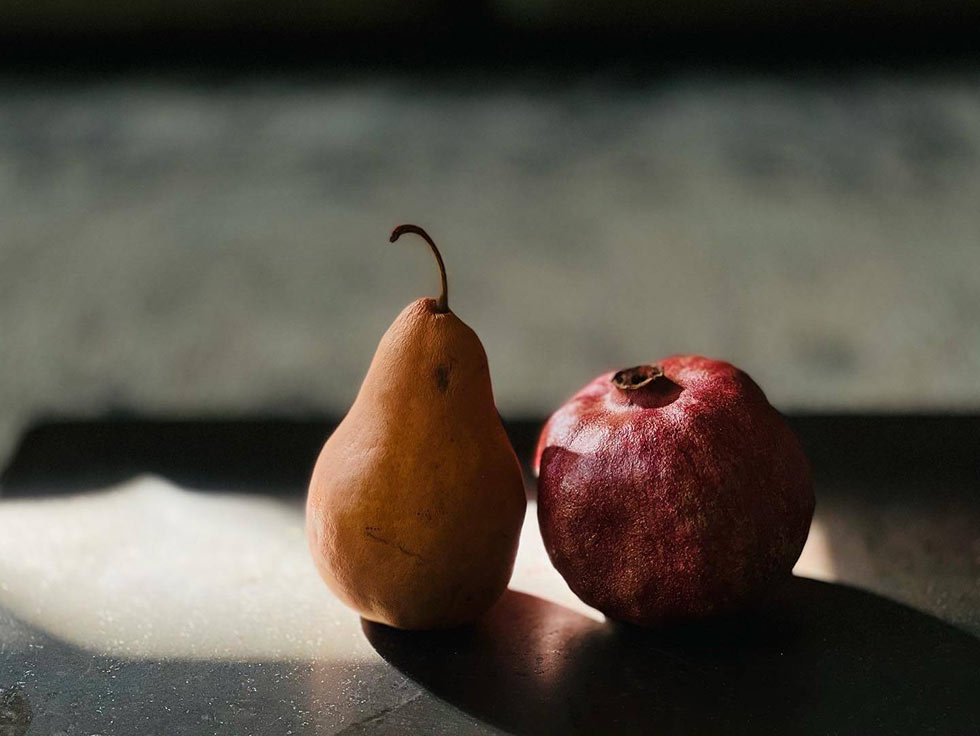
{"x":417,"y":499}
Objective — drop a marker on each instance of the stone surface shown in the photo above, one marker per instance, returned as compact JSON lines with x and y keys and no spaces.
{"x":149,"y":608}
{"x":186,"y":247}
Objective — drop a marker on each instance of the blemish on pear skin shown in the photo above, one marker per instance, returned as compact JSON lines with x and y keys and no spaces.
{"x":442,"y":376}
{"x":395,"y":545}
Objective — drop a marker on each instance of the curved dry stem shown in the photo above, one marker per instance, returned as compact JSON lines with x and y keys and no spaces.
{"x":442,"y":303}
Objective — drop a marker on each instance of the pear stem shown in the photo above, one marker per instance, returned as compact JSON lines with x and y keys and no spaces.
{"x":442,"y":303}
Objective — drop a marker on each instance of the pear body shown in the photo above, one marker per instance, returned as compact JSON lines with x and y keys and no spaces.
{"x":417,"y":499}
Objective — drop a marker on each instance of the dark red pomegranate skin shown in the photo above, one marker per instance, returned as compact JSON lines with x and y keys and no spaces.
{"x":674,"y":497}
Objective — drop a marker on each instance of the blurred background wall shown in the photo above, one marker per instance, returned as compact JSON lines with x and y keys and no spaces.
{"x":195,"y":198}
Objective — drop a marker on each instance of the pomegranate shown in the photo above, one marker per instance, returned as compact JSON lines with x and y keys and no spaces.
{"x":672,"y":492}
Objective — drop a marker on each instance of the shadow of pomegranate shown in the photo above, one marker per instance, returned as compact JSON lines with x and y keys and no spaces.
{"x":822,"y":659}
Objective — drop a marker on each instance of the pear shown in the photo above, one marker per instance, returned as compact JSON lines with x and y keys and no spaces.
{"x":417,"y":499}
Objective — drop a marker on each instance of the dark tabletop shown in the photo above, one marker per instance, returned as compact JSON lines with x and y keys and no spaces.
{"x":154,"y":579}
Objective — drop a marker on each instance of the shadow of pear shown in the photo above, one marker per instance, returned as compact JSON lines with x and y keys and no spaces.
{"x":821,"y":659}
